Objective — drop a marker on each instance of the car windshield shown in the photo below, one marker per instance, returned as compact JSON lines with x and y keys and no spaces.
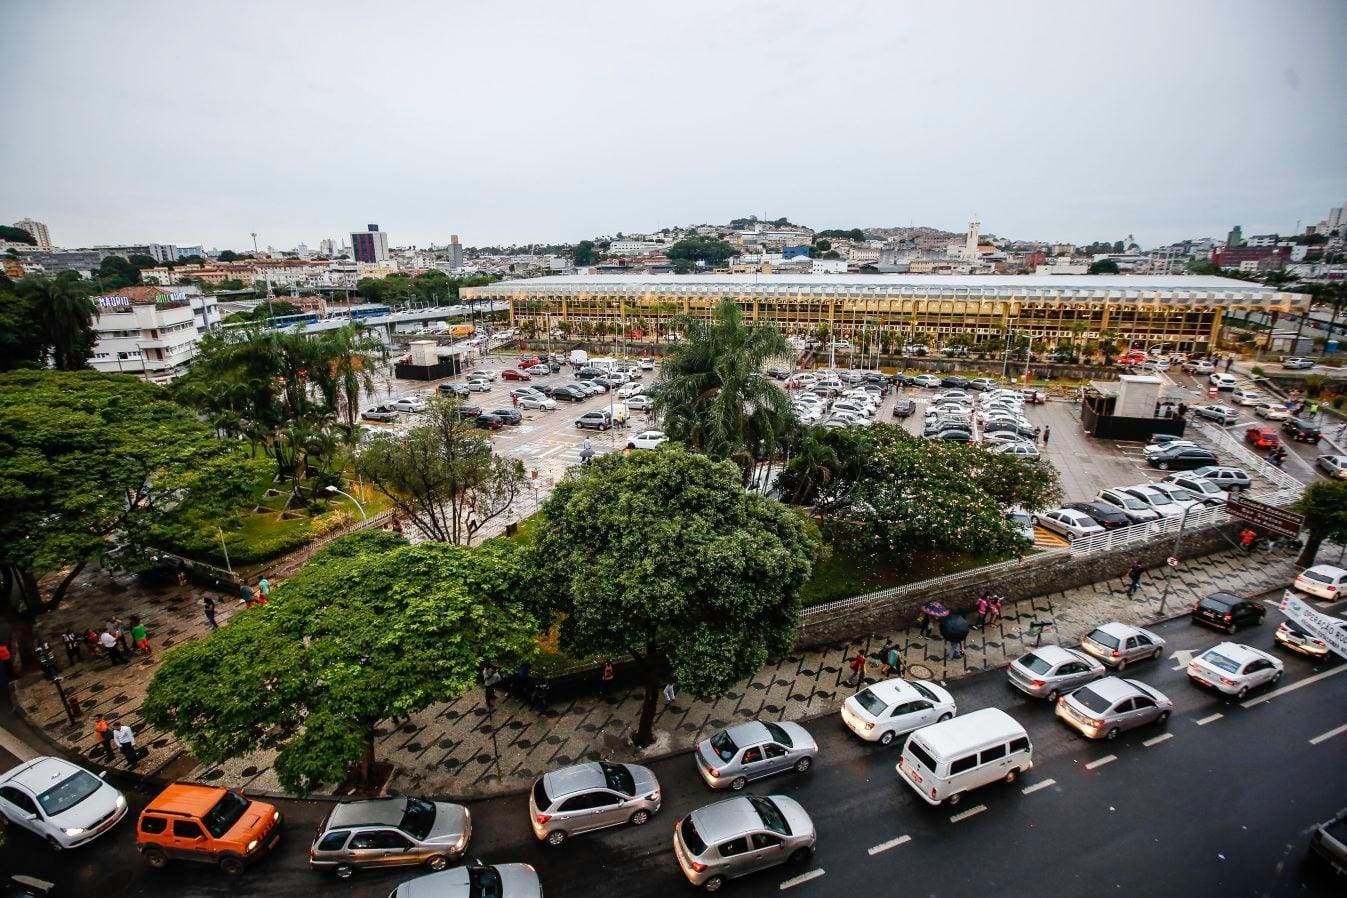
{"x":724,"y":746}
{"x":484,"y":882}
{"x":68,"y":792}
{"x":921,"y":754}
{"x":618,"y":778}
{"x":771,"y":815}
{"x":870,"y":702}
{"x":1216,"y":659}
{"x":691,"y":838}
{"x":1158,"y":498}
{"x":924,"y":692}
{"x":1104,"y":638}
{"x":1216,"y":603}
{"x":779,"y":734}
{"x":540,"y":796}
{"x":1092,"y":700}
{"x":1317,"y":577}
{"x":417,"y":818}
{"x":1131,"y":502}
{"x":225,"y":814}
{"x":1035,"y":663}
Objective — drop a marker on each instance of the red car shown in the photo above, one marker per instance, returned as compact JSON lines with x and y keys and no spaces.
{"x":514,"y":374}
{"x":1262,"y":437}
{"x":530,"y":360}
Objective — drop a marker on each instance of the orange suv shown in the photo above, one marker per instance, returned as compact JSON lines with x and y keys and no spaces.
{"x":206,"y":823}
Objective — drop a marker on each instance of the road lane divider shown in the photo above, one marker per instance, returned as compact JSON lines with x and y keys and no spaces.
{"x":801,"y":879}
{"x":891,"y":843}
{"x":1292,"y":687}
{"x":1156,"y":740}
{"x":1324,"y":737}
{"x":971,"y":812}
{"x":1100,"y":762}
{"x":1029,"y":790}
{"x":1212,"y":718}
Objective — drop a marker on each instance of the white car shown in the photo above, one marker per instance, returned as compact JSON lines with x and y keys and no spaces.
{"x":1022,"y":451}
{"x":647,"y":439}
{"x":926,"y":380}
{"x":484,"y":374}
{"x":1223,"y":381}
{"x":535,"y":401}
{"x":63,"y":804}
{"x":478,"y":385}
{"x":1271,"y":411}
{"x":1244,"y":396}
{"x":1233,"y":668}
{"x":1185,"y":498}
{"x":1068,"y":522}
{"x":1322,"y":580}
{"x":892,"y":708}
{"x":409,"y":404}
{"x":1154,"y":499}
{"x":1297,"y":364}
{"x":647,"y":363}
{"x":1116,"y":644}
{"x":640,"y":401}
{"x":628,"y":390}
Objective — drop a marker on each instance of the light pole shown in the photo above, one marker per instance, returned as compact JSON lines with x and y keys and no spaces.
{"x":333,"y":489}
{"x":1169,"y":568}
{"x":228,"y":566}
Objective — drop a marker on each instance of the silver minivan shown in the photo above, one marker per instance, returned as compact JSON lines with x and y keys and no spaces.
{"x":591,"y":796}
{"x":742,"y":835}
{"x":749,"y":751}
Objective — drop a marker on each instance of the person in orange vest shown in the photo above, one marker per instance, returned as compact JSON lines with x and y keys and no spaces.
{"x":1246,"y":538}
{"x":103,"y":730}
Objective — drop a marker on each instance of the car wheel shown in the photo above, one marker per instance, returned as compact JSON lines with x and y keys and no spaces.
{"x":579,"y":426}
{"x":56,"y":846}
{"x":231,"y":866}
{"x":886,"y":738}
{"x":954,"y":799}
{"x":1012,"y":774}
{"x":1155,"y":655}
{"x":1122,"y":664}
{"x":1243,"y":691}
{"x":738,"y":783}
{"x":556,"y":837}
{"x":1275,"y":677}
{"x":1053,"y":696}
{"x":1163,"y":466}
{"x":714,"y":883}
{"x":640,"y":818}
{"x":803,"y":765}
{"x":944,"y":717}
{"x":344,"y":871}
{"x":799,"y":856}
{"x":1112,"y":734}
{"x":155,"y":858}
{"x":1231,"y":628}
{"x":437,"y":862}
{"x":1163,"y":718}
{"x":631,"y":445}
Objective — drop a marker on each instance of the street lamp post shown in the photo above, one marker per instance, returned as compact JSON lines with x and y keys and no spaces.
{"x":363,"y":516}
{"x":228,"y":566}
{"x":1169,"y":568}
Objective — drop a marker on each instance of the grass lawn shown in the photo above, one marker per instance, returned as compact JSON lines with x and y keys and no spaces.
{"x":851,"y":572}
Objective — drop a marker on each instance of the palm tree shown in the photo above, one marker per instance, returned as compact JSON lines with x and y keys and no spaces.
{"x":711,"y":394}
{"x":346,"y":361}
{"x":65,"y":315}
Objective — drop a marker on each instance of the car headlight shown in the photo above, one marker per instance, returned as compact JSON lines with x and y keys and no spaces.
{"x":121,"y":801}
{"x":74,"y":831}
{"x":462,"y":842}
{"x":653,"y":796}
{"x":252,"y":846}
{"x":275,"y":816}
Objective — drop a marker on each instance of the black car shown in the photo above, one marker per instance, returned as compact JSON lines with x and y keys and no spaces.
{"x":954,"y":436}
{"x":1302,"y":431}
{"x":903,"y":407}
{"x":1228,"y":612}
{"x":901,"y":378}
{"x":954,"y":380}
{"x":508,"y":415}
{"x":458,"y":390}
{"x":777,"y":372}
{"x":1182,"y":458}
{"x":1161,"y":438}
{"x":466,"y":412}
{"x":874,"y":377}
{"x":546,"y":389}
{"x":569,"y":394}
{"x":589,"y":373}
{"x":1104,"y":515}
{"x":1028,"y":433}
{"x":488,"y":422}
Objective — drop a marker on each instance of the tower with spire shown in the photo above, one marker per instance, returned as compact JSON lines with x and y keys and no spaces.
{"x":970,"y":247}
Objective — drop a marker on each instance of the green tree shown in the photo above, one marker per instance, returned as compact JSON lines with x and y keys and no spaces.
{"x":116,"y":273}
{"x":442,"y":474}
{"x":1324,"y":505}
{"x":584,"y":253}
{"x":17,"y":235}
{"x":1203,"y":266}
{"x":228,"y":256}
{"x":1104,"y":266}
{"x":697,"y":248}
{"x":369,"y":628}
{"x":140,"y":260}
{"x":63,"y":314}
{"x":710,"y":392}
{"x":22,"y":343}
{"x":682,"y":266}
{"x":662,"y":556}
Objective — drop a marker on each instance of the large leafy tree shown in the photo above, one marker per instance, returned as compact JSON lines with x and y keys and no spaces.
{"x":46,"y":321}
{"x":89,"y":462}
{"x":698,"y":248}
{"x":1324,"y":505}
{"x":442,"y":474}
{"x":369,"y":628}
{"x":664,"y":557}
{"x":711,"y":394}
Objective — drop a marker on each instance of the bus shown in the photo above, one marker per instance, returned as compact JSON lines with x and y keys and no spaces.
{"x":284,"y":321}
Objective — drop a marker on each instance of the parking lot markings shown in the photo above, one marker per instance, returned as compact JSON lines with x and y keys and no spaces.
{"x":1156,"y":740}
{"x":1100,"y":762}
{"x":1324,"y":737}
{"x":1292,"y":688}
{"x":971,"y":812}
{"x":891,"y":843}
{"x":1029,"y":790}
{"x":1210,"y":719}
{"x":801,"y":879}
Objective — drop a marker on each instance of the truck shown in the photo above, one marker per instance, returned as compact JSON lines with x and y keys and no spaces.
{"x":461,"y":330}
{"x":578,"y":357}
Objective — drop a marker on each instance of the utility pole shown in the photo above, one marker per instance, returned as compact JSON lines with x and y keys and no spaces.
{"x":1169,"y":568}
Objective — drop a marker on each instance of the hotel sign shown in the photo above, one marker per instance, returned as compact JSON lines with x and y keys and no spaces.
{"x":114,"y":302}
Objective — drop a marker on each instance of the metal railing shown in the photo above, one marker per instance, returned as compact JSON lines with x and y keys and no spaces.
{"x":1221,"y":437}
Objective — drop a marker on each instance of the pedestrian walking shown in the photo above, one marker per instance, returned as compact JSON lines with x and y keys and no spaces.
{"x":490,"y":680}
{"x":884,"y":657}
{"x":126,"y":741}
{"x":954,"y":628}
{"x":210,"y":612}
{"x":112,"y":647}
{"x":182,"y":578}
{"x":71,"y":640}
{"x":932,"y":612}
{"x":103,"y":732}
{"x":1229,"y":360}
{"x":606,"y":678}
{"x":894,"y":660}
{"x":1134,"y":577}
{"x":984,"y":610}
{"x":996,"y":603}
{"x":1047,"y":432}
{"x":118,"y":629}
{"x":264,"y":588}
{"x":670,"y":693}
{"x":857,"y":665}
{"x":140,"y":637}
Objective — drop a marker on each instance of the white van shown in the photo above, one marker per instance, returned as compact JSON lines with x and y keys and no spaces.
{"x":944,"y":761}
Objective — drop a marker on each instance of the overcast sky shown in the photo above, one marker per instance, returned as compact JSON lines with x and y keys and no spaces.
{"x":191,"y":122}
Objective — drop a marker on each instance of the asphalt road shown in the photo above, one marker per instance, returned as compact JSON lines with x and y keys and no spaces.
{"x":1219,"y":807}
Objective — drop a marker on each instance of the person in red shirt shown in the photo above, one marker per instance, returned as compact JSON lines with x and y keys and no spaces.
{"x":1246,"y":538}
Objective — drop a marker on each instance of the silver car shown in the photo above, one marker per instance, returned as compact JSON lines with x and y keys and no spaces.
{"x":1118,"y":645}
{"x":1049,"y":671}
{"x":750,"y":751}
{"x":742,"y":835}
{"x":591,"y":796}
{"x":390,"y":832}
{"x":1105,"y":708}
{"x":474,"y":881}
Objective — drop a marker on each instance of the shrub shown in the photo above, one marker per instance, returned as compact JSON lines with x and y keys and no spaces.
{"x":1257,"y":371}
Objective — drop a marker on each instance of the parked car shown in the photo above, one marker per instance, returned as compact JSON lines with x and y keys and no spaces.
{"x":1108,"y":707}
{"x":1235,"y":669}
{"x":1068,"y":522}
{"x":529,"y":361}
{"x":1207,"y":490}
{"x":732,"y":757}
{"x":646,"y":363}
{"x":1332,"y":465}
{"x":982,"y":384}
{"x":1183,"y":458}
{"x":1296,"y":363}
{"x":469,"y":412}
{"x":488,"y":421}
{"x":380,"y":413}
{"x":409,"y":404}
{"x":733,"y":838}
{"x":1228,"y":612}
{"x":1185,"y":498}
{"x":1157,"y":448}
{"x":459,"y":391}
{"x":508,"y":416}
{"x":1322,"y":580}
{"x":1107,"y":516}
{"x":1302,"y":431}
{"x":1293,"y":637}
{"x":1028,"y":433}
{"x":647,"y":439}
{"x":1137,"y":512}
{"x":1262,"y":437}
{"x":594,"y":421}
{"x":640,"y":401}
{"x":626,"y":391}
{"x":1117,"y":645}
{"x":475,"y":385}
{"x":1221,"y":414}
{"x":61,"y":803}
{"x":1021,"y":450}
{"x":474,"y":880}
{"x":206,"y":824}
{"x":1230,"y":479}
{"x":1271,"y":411}
{"x":586,"y":797}
{"x":540,"y":403}
{"x":1155,"y":499}
{"x":515,"y":374}
{"x":1245,"y":396}
{"x":569,"y":394}
{"x":892,"y":708}
{"x":390,"y":832}
{"x":1050,"y":670}
{"x":540,"y":370}
{"x":926,"y":380}
{"x":1223,"y":381}
{"x":955,"y":436}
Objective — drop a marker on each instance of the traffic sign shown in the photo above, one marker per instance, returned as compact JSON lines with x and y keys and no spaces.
{"x":1172,"y":561}
{"x":1269,"y":517}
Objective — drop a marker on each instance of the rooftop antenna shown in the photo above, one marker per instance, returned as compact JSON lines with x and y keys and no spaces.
{"x":254,"y":233}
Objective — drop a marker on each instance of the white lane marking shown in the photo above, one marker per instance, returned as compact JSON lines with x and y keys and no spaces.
{"x":1156,"y":740}
{"x":968,"y":813}
{"x":1292,"y":688}
{"x":1106,"y":759}
{"x":801,"y":879}
{"x":1210,"y":719}
{"x":1182,"y":656}
{"x":33,"y":881}
{"x":891,"y":843}
{"x":1324,"y":737}
{"x":1028,"y":790}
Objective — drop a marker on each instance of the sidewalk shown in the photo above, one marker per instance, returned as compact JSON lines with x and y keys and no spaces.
{"x":460,"y":749}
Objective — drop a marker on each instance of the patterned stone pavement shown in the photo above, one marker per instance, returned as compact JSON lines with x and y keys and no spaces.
{"x":462,"y":749}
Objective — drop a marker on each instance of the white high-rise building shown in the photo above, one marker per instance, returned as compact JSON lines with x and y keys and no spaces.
{"x":39,"y":232}
{"x":455,"y":252}
{"x":151,"y":332}
{"x":327,"y":247}
{"x":970,"y":247}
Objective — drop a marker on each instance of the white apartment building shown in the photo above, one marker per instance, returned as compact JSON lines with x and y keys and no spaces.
{"x":830,"y":266}
{"x":39,"y":232}
{"x":631,"y":247}
{"x":151,"y":332}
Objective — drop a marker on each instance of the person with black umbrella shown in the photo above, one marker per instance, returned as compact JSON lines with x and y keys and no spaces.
{"x":954,"y":628}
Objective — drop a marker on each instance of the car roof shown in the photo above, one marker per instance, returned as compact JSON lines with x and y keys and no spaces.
{"x":1119,"y":629}
{"x":1327,"y":570}
{"x":1238,"y":652}
{"x":750,"y":733}
{"x":1055,"y":654}
{"x":378,"y":812}
{"x":577,"y":778}
{"x":1225,"y":598}
{"x":40,"y":774}
{"x":186,"y":798}
{"x":1111,"y":689}
{"x":726,"y":819}
{"x":891,"y":691}
{"x":954,"y":734}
